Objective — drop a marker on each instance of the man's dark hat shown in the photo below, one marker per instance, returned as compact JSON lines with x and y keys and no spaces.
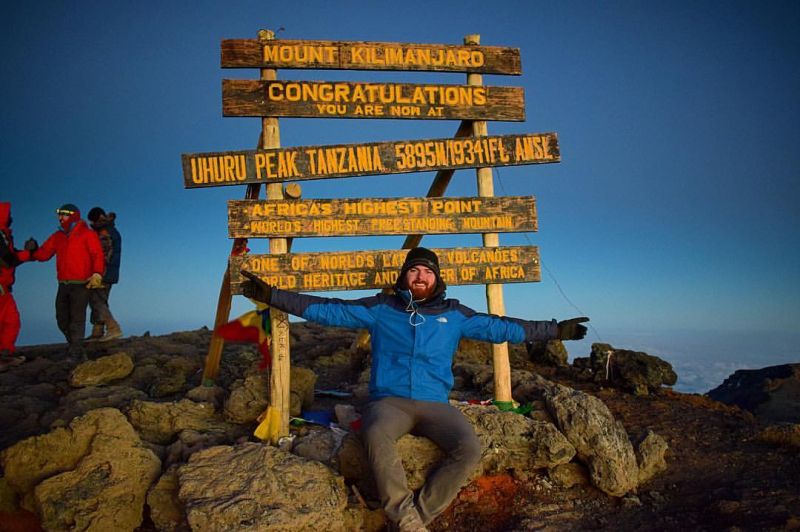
{"x":423,"y":257}
{"x":67,"y":208}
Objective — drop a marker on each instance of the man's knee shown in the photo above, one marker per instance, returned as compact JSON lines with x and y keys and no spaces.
{"x":469,"y":450}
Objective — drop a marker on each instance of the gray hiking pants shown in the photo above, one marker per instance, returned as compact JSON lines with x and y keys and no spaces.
{"x":386,"y":420}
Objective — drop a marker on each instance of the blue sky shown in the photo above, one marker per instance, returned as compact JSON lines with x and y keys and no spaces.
{"x":674,"y":209}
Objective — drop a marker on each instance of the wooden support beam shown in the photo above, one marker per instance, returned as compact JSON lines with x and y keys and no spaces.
{"x":494,"y":292}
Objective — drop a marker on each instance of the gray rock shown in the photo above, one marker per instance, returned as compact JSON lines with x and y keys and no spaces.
{"x":549,"y":353}
{"x":650,"y":454}
{"x":93,"y":475}
{"x":319,"y":444}
{"x":515,"y":443}
{"x":600,"y":441}
{"x":632,"y":371}
{"x":568,"y":475}
{"x":772,"y":394}
{"x":263,"y":489}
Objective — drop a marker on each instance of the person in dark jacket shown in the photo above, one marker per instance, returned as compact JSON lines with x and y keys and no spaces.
{"x":10,"y":258}
{"x":79,"y":268}
{"x":104,"y":326}
{"x":414,"y":334}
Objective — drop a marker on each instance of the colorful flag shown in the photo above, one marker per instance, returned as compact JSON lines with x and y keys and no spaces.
{"x":251,"y":327}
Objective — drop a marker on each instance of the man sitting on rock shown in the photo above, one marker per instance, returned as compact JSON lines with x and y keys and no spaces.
{"x":414,"y":335}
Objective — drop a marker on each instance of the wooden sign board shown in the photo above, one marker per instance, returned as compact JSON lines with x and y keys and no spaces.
{"x":356,"y":270}
{"x":348,"y":160}
{"x":344,"y":99}
{"x":341,"y":55}
{"x":380,"y":216}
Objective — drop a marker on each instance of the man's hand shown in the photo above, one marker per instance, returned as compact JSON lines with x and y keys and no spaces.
{"x":572,"y":329}
{"x":31,"y":245}
{"x":95,"y":281}
{"x":255,"y":288}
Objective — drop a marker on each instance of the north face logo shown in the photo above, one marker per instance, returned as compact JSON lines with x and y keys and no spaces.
{"x":441,"y":319}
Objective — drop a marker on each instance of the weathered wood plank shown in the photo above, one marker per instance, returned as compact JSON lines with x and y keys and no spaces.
{"x":298,"y":163}
{"x":380,"y":216}
{"x":362,"y":55}
{"x":344,"y":99}
{"x":355,"y":270}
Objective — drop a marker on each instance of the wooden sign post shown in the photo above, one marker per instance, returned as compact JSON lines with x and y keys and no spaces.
{"x":211,"y":368}
{"x":494,"y":291}
{"x":280,"y":219}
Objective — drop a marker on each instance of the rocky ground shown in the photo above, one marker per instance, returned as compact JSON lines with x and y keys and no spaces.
{"x":725,"y":469}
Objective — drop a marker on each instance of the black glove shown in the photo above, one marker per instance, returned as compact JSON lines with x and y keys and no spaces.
{"x":31,"y":245}
{"x":255,"y":288}
{"x":572,"y":329}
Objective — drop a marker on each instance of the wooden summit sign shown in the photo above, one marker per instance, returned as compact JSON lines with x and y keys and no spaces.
{"x":380,"y":216}
{"x":342,"y":99}
{"x":357,"y":270}
{"x":349,"y":160}
{"x":343,"y":55}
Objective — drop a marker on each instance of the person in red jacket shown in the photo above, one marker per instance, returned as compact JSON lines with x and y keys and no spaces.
{"x":79,"y":268}
{"x":10,"y":258}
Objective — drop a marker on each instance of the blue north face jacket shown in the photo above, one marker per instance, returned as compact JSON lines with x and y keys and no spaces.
{"x":412,"y":344}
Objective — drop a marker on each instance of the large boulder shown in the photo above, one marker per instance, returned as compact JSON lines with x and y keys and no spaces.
{"x":510,"y":443}
{"x":514,"y":443}
{"x":262,"y":488}
{"x":548,"y":353}
{"x":600,"y":441}
{"x":92,"y":475}
{"x":772,"y":394}
{"x":632,"y":371}
{"x":418,"y":455}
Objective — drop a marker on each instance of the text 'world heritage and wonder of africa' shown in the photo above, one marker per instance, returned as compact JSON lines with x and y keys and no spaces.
{"x":379,"y":269}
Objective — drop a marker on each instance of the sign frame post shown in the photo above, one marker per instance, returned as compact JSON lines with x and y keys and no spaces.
{"x":211,"y":367}
{"x":494,"y":292}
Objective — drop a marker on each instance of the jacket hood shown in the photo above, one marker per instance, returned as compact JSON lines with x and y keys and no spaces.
{"x":5,"y":214}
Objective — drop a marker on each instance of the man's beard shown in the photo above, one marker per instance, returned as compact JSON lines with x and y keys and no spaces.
{"x":421,"y":292}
